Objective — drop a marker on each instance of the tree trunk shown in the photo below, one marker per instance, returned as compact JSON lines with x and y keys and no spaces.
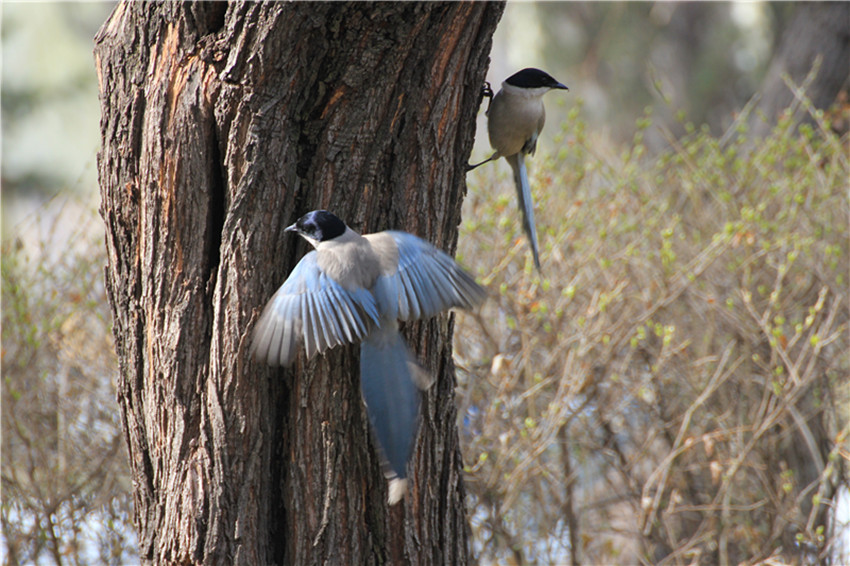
{"x":221,"y":124}
{"x":815,"y":30}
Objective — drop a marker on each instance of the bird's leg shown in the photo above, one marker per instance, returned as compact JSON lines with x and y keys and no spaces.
{"x":487,"y":90}
{"x":489,"y":159}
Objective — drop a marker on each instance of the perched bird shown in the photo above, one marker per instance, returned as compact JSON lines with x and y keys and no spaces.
{"x":514,"y":121}
{"x":355,"y":288}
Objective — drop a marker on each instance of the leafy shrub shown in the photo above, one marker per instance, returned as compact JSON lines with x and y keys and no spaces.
{"x":674,"y":388}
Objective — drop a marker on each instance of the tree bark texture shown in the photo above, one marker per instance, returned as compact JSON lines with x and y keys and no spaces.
{"x":221,"y":124}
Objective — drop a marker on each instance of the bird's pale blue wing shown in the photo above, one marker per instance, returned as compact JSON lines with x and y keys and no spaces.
{"x":311,"y":307}
{"x":426,"y":283}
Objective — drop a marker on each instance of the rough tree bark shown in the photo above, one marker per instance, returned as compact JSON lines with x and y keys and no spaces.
{"x":221,"y":123}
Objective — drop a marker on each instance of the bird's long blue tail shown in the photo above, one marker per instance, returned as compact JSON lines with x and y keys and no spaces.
{"x":389,"y":380}
{"x":526,"y":205}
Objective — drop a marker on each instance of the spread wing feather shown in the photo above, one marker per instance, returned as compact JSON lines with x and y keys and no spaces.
{"x":311,"y":307}
{"x":427,"y":281}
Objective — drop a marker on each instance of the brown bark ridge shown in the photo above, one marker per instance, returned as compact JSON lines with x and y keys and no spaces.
{"x":221,"y":123}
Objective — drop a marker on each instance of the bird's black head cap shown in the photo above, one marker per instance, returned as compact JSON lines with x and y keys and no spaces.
{"x":533,"y":78}
{"x":319,"y":225}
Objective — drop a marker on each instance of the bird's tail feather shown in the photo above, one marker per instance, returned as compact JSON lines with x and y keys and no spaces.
{"x":526,"y":204}
{"x":390,"y":380}
{"x":396,"y":490}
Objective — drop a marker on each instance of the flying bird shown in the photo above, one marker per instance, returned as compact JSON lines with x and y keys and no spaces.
{"x":355,"y":288}
{"x":515,"y":119}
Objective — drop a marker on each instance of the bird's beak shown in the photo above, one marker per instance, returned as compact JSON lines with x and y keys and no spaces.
{"x":290,"y":229}
{"x":561,"y":86}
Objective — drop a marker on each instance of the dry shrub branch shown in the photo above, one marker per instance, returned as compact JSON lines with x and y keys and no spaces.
{"x":675,"y":389}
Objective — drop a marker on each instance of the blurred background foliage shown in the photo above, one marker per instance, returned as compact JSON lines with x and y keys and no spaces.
{"x":674,"y":390}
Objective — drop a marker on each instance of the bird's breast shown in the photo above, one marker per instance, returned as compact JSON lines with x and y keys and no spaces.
{"x":512,"y":121}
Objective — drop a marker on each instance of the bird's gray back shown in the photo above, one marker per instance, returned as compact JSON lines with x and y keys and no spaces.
{"x":350,"y":261}
{"x":385,"y":248}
